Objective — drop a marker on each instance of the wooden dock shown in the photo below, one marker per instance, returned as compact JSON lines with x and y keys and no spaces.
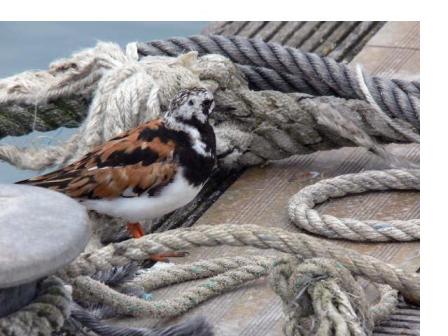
{"x":260,"y":195}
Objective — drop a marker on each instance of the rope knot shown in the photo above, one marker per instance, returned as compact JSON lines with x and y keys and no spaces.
{"x":321,"y":297}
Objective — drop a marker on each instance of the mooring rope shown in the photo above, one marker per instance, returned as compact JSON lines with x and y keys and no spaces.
{"x":324,"y":296}
{"x":331,"y":288}
{"x":270,"y":66}
{"x":302,"y":245}
{"x":252,"y":127}
{"x":301,"y":205}
{"x":315,"y":292}
{"x":45,"y":315}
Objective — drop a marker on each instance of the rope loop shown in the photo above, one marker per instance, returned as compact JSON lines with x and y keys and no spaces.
{"x":301,"y":213}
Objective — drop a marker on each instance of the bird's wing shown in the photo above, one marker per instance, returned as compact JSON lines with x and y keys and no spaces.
{"x":137,"y":161}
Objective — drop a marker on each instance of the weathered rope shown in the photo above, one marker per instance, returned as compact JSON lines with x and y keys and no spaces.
{"x":45,"y":315}
{"x":301,"y":204}
{"x":323,"y":295}
{"x":251,"y":126}
{"x":328,"y":284}
{"x":396,"y":124}
{"x":91,"y":291}
{"x":318,"y":289}
{"x":179,"y":273}
{"x":298,"y":244}
{"x":270,"y":66}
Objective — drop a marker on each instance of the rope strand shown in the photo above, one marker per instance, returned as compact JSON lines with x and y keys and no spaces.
{"x":270,"y":66}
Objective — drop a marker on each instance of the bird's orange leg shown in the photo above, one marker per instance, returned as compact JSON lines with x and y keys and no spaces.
{"x":136,"y":231}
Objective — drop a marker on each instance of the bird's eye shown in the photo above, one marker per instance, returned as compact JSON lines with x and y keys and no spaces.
{"x":206,"y":104}
{"x":190,"y":102}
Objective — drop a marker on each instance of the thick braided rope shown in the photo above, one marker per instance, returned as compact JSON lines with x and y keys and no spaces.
{"x":246,"y":235}
{"x":166,"y":276}
{"x":87,"y":290}
{"x":276,"y":67}
{"x":301,"y":213}
{"x":251,"y":126}
{"x":45,"y":315}
{"x":324,"y":296}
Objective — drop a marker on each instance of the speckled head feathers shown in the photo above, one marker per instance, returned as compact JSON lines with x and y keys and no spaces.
{"x":193,"y":103}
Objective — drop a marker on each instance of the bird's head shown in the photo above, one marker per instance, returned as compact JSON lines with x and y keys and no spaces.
{"x":195,"y":104}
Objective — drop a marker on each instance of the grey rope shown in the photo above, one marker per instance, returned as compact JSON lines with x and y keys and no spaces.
{"x":197,"y":327}
{"x":276,"y":67}
{"x":45,"y":315}
{"x":301,"y":204}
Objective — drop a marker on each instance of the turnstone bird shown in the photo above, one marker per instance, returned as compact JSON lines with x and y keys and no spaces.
{"x":147,"y":171}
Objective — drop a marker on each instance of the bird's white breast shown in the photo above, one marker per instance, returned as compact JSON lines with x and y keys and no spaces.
{"x":175,"y":195}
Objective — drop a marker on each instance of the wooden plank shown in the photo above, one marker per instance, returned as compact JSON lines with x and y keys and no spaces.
{"x":252,"y":28}
{"x":300,"y":36}
{"x":260,"y":197}
{"x":234,"y":28}
{"x":356,"y":35}
{"x":336,"y":37}
{"x":342,"y":38}
{"x":216,"y":27}
{"x":284,"y":34}
{"x":270,"y":29}
{"x":403,"y":34}
{"x":320,"y":35}
{"x":390,"y":62}
{"x":393,"y":52}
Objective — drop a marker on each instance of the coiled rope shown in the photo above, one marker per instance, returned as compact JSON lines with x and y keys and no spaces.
{"x":46,"y":314}
{"x":270,"y":66}
{"x":301,"y":204}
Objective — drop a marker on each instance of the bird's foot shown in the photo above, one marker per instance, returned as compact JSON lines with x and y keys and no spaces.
{"x":163,"y":256}
{"x":136,"y":231}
